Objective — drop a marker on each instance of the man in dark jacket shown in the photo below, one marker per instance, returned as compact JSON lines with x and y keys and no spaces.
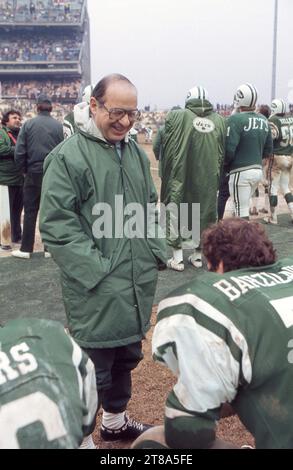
{"x":10,"y":172}
{"x":37,"y":138}
{"x":108,"y":276}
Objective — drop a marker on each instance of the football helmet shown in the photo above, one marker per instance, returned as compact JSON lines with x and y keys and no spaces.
{"x":245,"y":96}
{"x":87,"y":93}
{"x":278,"y":106}
{"x":197,"y":92}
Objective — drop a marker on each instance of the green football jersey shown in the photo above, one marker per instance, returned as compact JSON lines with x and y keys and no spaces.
{"x":229,"y":338}
{"x":69,"y":127}
{"x":48,"y":395}
{"x":282,"y":133}
{"x":248,"y":141}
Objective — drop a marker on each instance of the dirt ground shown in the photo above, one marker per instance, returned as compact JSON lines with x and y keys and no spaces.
{"x":151,"y":384}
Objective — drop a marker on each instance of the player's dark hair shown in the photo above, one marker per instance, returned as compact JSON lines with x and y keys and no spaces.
{"x":5,"y":117}
{"x":44,"y":107}
{"x":265,"y":110}
{"x":238,"y":243}
{"x":101,"y":87}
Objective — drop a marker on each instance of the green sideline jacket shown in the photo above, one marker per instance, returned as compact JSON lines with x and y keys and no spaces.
{"x":193,"y":148}
{"x":10,"y":172}
{"x":108,"y":283}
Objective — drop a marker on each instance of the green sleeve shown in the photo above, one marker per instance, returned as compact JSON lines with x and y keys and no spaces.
{"x":222,"y":143}
{"x":189,"y":430}
{"x":6,"y":148}
{"x":156,"y":236}
{"x":20,"y":155}
{"x":73,"y":249}
{"x":232,"y":140}
{"x":157,"y":144}
{"x":268,"y":147}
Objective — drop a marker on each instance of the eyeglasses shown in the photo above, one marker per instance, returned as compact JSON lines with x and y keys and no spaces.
{"x":115,"y":114}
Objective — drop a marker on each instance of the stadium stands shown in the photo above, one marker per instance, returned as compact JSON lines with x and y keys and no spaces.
{"x":44,"y":48}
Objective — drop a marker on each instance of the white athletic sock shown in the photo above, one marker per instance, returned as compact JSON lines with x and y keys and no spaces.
{"x":178,"y":255}
{"x":113,"y":420}
{"x":87,"y":443}
{"x":290,"y":206}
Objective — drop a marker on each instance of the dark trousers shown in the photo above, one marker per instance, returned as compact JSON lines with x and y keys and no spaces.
{"x":31,"y":201}
{"x":113,"y":374}
{"x":16,"y":206}
{"x":223,"y":195}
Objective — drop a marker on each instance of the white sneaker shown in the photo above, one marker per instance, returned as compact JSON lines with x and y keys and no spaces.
{"x":87,"y":443}
{"x":195,"y":260}
{"x":173,"y":264}
{"x":47,"y":254}
{"x":271,"y":220}
{"x":21,"y":254}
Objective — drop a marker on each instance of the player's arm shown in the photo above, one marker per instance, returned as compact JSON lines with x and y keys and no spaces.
{"x":232,"y":140}
{"x":5,"y":144}
{"x":20,"y":155}
{"x":87,"y":386}
{"x":269,"y":146}
{"x":207,"y":375}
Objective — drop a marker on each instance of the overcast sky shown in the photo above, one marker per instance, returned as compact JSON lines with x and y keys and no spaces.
{"x":168,"y":46}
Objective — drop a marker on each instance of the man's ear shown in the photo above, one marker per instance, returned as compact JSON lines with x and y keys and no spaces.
{"x":220,"y":268}
{"x":93,"y":105}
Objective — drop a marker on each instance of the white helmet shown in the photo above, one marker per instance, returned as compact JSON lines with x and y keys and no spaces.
{"x":245,"y":96}
{"x":197,"y":92}
{"x":87,"y":93}
{"x":278,"y":106}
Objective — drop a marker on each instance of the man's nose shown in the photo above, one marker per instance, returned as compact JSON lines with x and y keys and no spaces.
{"x":125,"y":121}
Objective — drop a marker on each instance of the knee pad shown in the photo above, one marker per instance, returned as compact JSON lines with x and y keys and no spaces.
{"x":273,"y":201}
{"x":289,"y":197}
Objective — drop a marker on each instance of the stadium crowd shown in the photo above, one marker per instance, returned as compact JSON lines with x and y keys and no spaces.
{"x":44,"y":11}
{"x":39,"y":48}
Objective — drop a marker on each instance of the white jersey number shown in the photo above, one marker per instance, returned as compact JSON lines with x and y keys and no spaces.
{"x":28,"y":410}
{"x":287,"y":136}
{"x":284,"y":307}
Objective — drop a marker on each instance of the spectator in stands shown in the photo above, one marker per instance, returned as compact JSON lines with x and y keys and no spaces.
{"x":32,"y":8}
{"x":108,"y":281}
{"x":37,"y":138}
{"x":66,"y":8}
{"x":11,"y":172}
{"x":48,"y":394}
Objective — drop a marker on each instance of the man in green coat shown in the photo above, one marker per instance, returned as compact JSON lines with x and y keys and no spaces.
{"x":193,"y":148}
{"x":93,"y":184}
{"x":11,"y":174}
